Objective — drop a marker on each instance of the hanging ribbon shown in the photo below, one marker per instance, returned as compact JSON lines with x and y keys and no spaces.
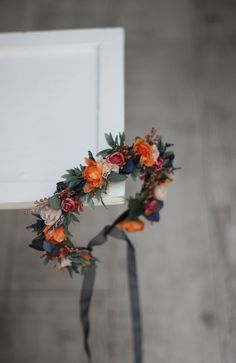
{"x":88,"y":284}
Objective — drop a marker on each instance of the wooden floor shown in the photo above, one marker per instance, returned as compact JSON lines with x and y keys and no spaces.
{"x":180,"y":76}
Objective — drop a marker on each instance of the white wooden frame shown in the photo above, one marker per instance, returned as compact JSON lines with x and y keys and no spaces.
{"x":106,"y":48}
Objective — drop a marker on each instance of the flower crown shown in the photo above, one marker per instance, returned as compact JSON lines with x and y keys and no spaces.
{"x":148,"y":159}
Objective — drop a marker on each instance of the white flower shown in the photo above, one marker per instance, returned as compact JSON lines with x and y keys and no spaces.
{"x":65,"y":262}
{"x":160,"y":192}
{"x":155,"y":152}
{"x":50,"y":216}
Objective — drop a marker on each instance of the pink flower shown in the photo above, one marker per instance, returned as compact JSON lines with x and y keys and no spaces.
{"x":69,"y":205}
{"x":150,"y":207}
{"x":116,"y":158}
{"x":158,"y":164}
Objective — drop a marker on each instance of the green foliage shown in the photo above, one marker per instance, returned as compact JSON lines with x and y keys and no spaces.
{"x":105,"y":153}
{"x":54,"y":202}
{"x":74,"y":174}
{"x":111,"y":142}
{"x":74,"y":218}
{"x":37,"y":226}
{"x":115,"y":142}
{"x":122,"y":138}
{"x":91,"y":155}
{"x":136,"y":206}
{"x":115,"y":177}
{"x":135,"y":174}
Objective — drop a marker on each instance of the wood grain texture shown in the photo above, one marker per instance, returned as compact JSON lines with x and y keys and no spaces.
{"x":180,"y":75}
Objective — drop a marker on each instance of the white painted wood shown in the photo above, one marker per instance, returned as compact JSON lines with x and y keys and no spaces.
{"x":60,"y":91}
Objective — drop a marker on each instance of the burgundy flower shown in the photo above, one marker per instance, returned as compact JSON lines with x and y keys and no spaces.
{"x":69,"y":205}
{"x":150,"y":207}
{"x":116,"y":158}
{"x":158,"y":164}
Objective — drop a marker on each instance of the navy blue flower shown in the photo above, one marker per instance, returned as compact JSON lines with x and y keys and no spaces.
{"x":128,"y":167}
{"x":154,"y":217}
{"x":50,"y":248}
{"x":77,"y":188}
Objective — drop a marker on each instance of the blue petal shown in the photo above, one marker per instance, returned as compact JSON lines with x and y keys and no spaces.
{"x":128,"y":167}
{"x":50,"y":248}
{"x":154,"y":217}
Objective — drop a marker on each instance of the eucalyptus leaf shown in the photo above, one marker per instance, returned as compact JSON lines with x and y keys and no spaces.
{"x":54,"y":202}
{"x":115,"y":177}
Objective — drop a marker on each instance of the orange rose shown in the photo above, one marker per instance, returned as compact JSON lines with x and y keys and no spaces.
{"x":142,"y":148}
{"x":131,"y":226}
{"x":54,"y":235}
{"x":93,"y":175}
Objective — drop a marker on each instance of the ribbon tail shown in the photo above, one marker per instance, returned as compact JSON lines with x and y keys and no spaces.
{"x":134,"y":303}
{"x":85,"y":302}
{"x":87,"y":291}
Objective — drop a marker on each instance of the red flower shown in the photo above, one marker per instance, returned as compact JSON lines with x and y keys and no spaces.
{"x":69,"y":205}
{"x":150,"y":207}
{"x":116,"y":158}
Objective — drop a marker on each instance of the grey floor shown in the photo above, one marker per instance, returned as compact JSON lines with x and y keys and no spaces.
{"x":180,"y":75}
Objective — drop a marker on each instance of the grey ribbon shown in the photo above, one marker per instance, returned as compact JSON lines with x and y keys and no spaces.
{"x":88,"y":284}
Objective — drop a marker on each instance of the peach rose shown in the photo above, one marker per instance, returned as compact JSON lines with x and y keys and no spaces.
{"x":54,"y":235}
{"x":93,"y":175}
{"x":128,"y":225}
{"x":141,"y":147}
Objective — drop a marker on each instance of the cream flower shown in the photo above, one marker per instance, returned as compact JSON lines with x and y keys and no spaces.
{"x":65,"y":262}
{"x":50,"y":216}
{"x":107,"y":167}
{"x":160,"y":192}
{"x":155,"y":151}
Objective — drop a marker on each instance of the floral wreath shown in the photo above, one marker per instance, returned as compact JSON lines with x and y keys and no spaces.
{"x":148,"y":159}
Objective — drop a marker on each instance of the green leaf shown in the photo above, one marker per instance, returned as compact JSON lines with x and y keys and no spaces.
{"x":110,"y":140}
{"x":136,"y":206}
{"x":91,"y":155}
{"x":115,"y":177}
{"x":169,"y":155}
{"x":91,"y":204}
{"x":74,"y":218}
{"x":104,"y":205}
{"x":54,"y":202}
{"x":122,"y":138}
{"x":104,"y":153}
{"x":135,"y":174}
{"x":37,"y":226}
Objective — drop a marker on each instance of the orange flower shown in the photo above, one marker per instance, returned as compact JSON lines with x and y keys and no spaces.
{"x":142,"y":148}
{"x":93,"y":175}
{"x":54,"y":235}
{"x":86,"y":256}
{"x":131,"y":226}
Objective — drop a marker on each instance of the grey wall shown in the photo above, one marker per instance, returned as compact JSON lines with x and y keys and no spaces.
{"x":180,"y":76}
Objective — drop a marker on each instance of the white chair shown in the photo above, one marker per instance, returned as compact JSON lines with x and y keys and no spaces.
{"x":60,"y":91}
